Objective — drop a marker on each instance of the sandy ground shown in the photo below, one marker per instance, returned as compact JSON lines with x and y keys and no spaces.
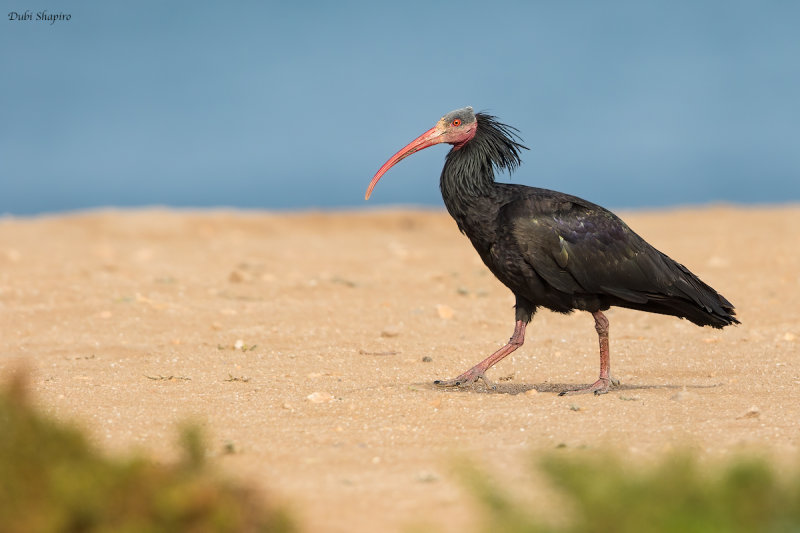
{"x":306,"y":344}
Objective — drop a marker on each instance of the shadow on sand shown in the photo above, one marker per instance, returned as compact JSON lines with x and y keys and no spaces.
{"x":555,"y":388}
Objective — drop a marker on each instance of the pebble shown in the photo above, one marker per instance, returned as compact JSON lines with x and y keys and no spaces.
{"x":718,"y":262}
{"x":681,"y":395}
{"x":445,"y":311}
{"x":425,"y":476}
{"x":390,"y":331}
{"x":319,"y":397}
{"x":753,"y":412}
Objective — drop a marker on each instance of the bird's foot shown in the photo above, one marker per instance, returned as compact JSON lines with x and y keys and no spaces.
{"x":467,"y":378}
{"x":601,"y":386}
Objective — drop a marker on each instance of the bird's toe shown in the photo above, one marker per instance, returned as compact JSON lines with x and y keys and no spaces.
{"x":467,"y":378}
{"x":601,"y":386}
{"x":448,"y":382}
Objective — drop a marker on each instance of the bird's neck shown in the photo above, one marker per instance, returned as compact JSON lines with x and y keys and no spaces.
{"x":467,"y":180}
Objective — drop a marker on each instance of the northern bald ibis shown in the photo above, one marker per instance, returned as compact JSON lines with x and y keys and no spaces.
{"x":553,"y":250}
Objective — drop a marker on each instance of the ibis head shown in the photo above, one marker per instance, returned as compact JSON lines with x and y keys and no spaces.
{"x":456,"y":128}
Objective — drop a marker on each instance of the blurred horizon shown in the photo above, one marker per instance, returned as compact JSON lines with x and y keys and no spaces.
{"x":281,"y":107}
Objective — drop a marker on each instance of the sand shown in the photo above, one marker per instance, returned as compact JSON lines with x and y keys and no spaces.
{"x":305,"y":345}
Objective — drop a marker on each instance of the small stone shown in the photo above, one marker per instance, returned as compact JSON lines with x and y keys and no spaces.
{"x":445,"y":311}
{"x":319,"y":397}
{"x":427,"y":477}
{"x":390,"y":331}
{"x":238,"y":344}
{"x":789,"y":337}
{"x":753,"y":412}
{"x":718,"y":262}
{"x":681,"y":395}
{"x":531,"y":392}
{"x":427,"y":359}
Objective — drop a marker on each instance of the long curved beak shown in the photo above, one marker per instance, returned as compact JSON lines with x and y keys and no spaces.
{"x":429,"y":138}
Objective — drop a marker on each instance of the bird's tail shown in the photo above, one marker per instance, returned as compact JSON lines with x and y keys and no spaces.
{"x":690,"y":298}
{"x":679,"y":293}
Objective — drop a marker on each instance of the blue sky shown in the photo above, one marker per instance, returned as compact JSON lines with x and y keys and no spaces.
{"x":295,"y":106}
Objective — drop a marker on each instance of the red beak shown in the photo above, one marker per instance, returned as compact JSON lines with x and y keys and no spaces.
{"x":429,"y":138}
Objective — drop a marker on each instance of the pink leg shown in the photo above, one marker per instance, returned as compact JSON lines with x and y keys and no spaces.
{"x":478,"y":371}
{"x":602,"y":385}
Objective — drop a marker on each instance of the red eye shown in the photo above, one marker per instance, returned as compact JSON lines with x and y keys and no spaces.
{"x":456,"y":122}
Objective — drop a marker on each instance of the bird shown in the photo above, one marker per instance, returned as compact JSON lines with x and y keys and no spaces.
{"x":552,"y":250}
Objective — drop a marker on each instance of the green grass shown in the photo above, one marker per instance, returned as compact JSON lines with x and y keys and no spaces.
{"x":53,"y":480}
{"x":601,"y":493}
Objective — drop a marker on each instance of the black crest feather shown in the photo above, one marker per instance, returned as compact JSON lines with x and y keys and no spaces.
{"x":499,"y":142}
{"x":469,"y":169}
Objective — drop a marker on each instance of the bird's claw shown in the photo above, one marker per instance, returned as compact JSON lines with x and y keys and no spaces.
{"x":601,"y":386}
{"x":467,"y":378}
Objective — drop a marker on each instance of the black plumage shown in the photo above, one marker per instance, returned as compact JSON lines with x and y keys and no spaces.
{"x":554,"y":250}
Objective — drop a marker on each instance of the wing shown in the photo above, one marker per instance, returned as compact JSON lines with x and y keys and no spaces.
{"x":581,"y":248}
